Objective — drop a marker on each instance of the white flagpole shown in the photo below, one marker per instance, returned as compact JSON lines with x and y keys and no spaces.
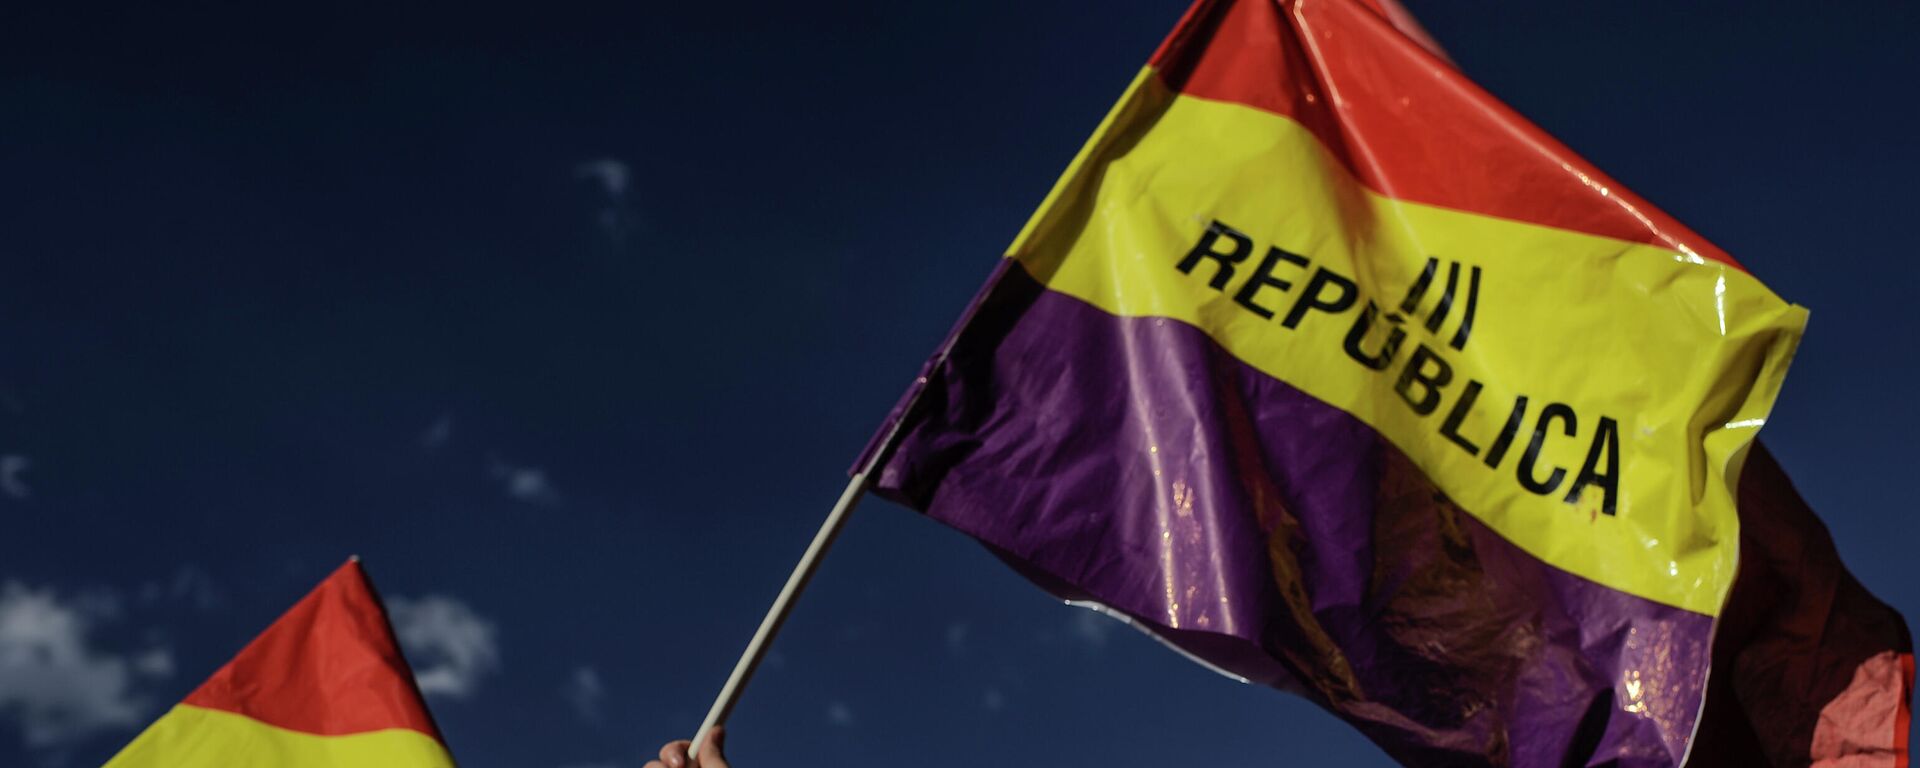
{"x":810,"y":560}
{"x":782,"y":605}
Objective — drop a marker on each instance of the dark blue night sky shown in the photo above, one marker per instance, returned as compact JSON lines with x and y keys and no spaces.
{"x":570,"y":319}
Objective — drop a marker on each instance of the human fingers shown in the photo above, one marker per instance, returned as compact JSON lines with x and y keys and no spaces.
{"x":712,"y":753}
{"x":673,"y":754}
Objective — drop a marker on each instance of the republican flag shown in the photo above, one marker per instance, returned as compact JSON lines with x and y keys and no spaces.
{"x":324,"y":687}
{"x":1326,"y":367}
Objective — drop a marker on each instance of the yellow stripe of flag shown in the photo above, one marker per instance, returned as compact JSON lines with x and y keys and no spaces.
{"x":1644,"y":371}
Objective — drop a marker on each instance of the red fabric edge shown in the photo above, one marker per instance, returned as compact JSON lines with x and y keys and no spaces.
{"x":1903,"y":721}
{"x":329,"y":666}
{"x":1406,"y":122}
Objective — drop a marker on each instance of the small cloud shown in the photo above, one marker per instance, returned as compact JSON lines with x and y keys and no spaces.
{"x":993,"y":700}
{"x":957,"y":638}
{"x":616,"y":220}
{"x":449,"y":645}
{"x":839,"y":714}
{"x":11,"y":467}
{"x":528,"y":484}
{"x":155,"y":663}
{"x":194,"y":585}
{"x":1092,"y":628}
{"x":611,"y":174}
{"x":190,"y":584}
{"x":437,"y":434}
{"x":584,"y":691}
{"x":97,"y":604}
{"x":54,"y":685}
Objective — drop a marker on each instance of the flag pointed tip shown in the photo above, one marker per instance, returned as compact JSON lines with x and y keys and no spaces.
{"x":325,"y":682}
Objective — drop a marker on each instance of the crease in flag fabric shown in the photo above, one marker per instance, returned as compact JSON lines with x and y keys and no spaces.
{"x":1326,"y":367}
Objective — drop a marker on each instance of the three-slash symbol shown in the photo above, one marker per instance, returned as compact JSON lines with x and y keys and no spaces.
{"x":1438,"y":316}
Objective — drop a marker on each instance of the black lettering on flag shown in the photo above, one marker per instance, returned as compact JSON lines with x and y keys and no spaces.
{"x":1553,"y":411}
{"x":1450,"y":429}
{"x":1242,"y":245}
{"x":1418,"y":290}
{"x":1313,"y":299}
{"x":1498,"y":450}
{"x":1430,"y":384}
{"x":1361,"y":325}
{"x":1466,"y":321}
{"x":1263,"y":277}
{"x":1446,"y":298}
{"x":1606,"y":440}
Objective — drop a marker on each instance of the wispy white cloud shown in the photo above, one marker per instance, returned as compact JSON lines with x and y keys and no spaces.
{"x":153,"y":662}
{"x":189,"y":584}
{"x":1092,"y":627}
{"x":612,"y":175}
{"x":451,"y":647}
{"x":839,"y":714}
{"x":12,"y":466}
{"x":55,"y":686}
{"x":614,"y":178}
{"x":528,"y":484}
{"x":957,"y":637}
{"x":585,"y":691}
{"x":437,"y":434}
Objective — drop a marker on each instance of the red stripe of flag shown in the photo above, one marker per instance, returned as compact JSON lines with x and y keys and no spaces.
{"x":1403,"y":120}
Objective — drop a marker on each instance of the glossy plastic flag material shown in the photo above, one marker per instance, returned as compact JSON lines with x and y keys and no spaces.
{"x":324,"y":687}
{"x":1327,"y":368}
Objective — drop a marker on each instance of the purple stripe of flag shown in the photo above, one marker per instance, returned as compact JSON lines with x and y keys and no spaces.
{"x":1133,"y":461}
